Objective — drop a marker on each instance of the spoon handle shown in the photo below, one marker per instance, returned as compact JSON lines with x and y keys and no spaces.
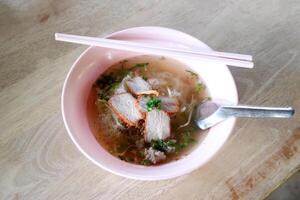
{"x":254,"y":111}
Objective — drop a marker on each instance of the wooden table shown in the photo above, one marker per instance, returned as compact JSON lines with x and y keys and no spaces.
{"x":37,"y":157}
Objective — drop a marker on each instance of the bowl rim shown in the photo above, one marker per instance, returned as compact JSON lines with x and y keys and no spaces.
{"x":85,"y":52}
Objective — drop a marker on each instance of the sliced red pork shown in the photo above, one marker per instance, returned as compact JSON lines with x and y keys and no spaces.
{"x":156,"y":83}
{"x":157,"y":125}
{"x":122,"y":88}
{"x":139,"y":86}
{"x":124,"y":107}
{"x":168,"y":104}
{"x":142,"y":103}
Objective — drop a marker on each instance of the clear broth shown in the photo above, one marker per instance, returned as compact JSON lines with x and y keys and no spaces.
{"x":123,"y":144}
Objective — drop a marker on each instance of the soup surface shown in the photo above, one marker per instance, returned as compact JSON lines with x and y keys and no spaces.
{"x":140,"y":110}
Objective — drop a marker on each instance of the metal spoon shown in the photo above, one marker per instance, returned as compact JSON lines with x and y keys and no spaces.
{"x":209,"y":113}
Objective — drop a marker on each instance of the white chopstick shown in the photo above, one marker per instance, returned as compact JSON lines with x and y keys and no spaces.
{"x":232,"y":59}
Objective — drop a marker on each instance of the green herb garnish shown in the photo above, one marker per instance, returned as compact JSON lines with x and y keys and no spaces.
{"x":115,"y":85}
{"x":146,"y":162}
{"x":192,"y":73}
{"x":145,"y":77}
{"x":141,"y":65}
{"x":124,"y":72}
{"x":103,"y":97}
{"x":106,"y":85}
{"x":187,"y":139}
{"x":141,"y":154}
{"x":122,"y":147}
{"x":127,"y":71}
{"x":199,"y":87}
{"x":153,"y":103}
{"x":162,"y":145}
{"x":125,"y":158}
{"x":105,"y":81}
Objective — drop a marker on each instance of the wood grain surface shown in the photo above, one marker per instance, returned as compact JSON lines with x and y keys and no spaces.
{"x":38,"y":159}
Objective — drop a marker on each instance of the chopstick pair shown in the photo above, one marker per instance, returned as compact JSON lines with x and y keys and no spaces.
{"x":232,"y":59}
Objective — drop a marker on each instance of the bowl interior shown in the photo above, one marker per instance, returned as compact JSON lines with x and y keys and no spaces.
{"x":96,"y":60}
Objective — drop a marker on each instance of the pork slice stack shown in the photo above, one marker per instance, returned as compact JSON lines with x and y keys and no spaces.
{"x":122,"y":87}
{"x":157,"y":125}
{"x":139,"y":86}
{"x":130,"y":110}
{"x":168,"y":104}
{"x":141,"y":103}
{"x":124,"y":107}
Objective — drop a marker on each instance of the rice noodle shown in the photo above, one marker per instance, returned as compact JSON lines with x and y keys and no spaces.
{"x":183,"y":109}
{"x":124,"y":151}
{"x":169,"y":92}
{"x":173,"y":92}
{"x":172,"y":86}
{"x":154,"y":92}
{"x":192,"y":106}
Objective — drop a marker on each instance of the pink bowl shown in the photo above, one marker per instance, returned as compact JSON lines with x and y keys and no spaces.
{"x":95,"y":60}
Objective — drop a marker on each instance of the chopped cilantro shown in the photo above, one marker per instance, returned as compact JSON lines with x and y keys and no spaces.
{"x":106,"y":84}
{"x":191,"y":129}
{"x":125,"y":158}
{"x":187,"y":138}
{"x":105,"y":81}
{"x":141,"y":154}
{"x":145,"y":77}
{"x":146,"y":162}
{"x":162,"y":145}
{"x":206,"y":99}
{"x":127,"y":71}
{"x":185,"y":141}
{"x":115,"y":85}
{"x":140,"y":65}
{"x":103,"y":97}
{"x":153,"y":103}
{"x":192,"y":73}
{"x":122,"y":147}
{"x":199,"y":87}
{"x":124,"y":72}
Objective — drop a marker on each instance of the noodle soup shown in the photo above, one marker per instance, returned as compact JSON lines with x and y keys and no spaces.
{"x":140,"y":110}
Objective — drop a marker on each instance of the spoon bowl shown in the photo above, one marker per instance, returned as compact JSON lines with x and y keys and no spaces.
{"x":209,"y":113}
